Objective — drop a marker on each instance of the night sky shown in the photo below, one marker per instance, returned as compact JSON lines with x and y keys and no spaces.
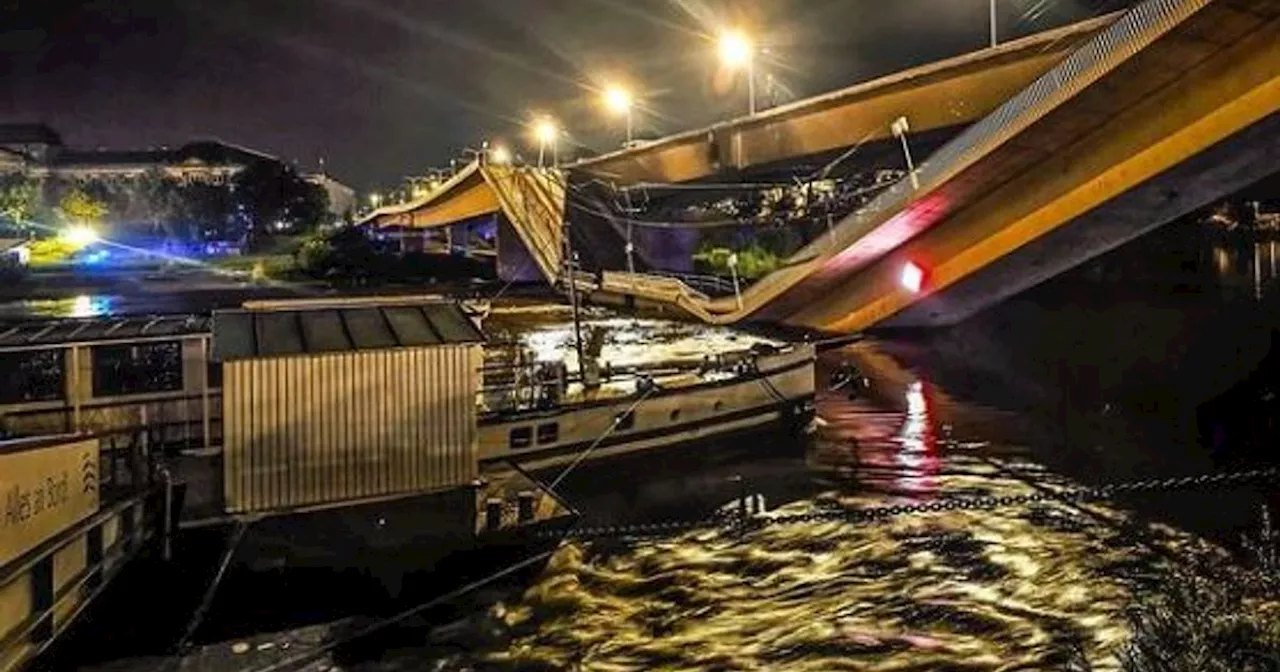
{"x":386,"y":88}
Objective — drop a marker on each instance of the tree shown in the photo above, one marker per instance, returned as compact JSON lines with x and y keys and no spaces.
{"x":275,"y":196}
{"x":19,"y":199}
{"x":158,"y":201}
{"x":210,"y":208}
{"x":345,"y":254}
{"x":78,"y":207}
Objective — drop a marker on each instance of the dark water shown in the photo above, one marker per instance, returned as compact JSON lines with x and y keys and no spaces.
{"x":1092,"y":378}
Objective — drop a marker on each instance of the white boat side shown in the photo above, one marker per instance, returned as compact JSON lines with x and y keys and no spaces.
{"x":779,"y":388}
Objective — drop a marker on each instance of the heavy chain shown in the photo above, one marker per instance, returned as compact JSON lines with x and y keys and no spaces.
{"x":881,"y":513}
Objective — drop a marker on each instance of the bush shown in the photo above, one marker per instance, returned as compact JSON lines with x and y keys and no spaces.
{"x":315,"y":256}
{"x":261,"y":267}
{"x":1212,"y":617}
{"x":51,"y":251}
{"x":753,"y":262}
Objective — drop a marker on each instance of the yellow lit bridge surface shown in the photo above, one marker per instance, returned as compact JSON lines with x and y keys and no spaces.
{"x":1060,"y":125}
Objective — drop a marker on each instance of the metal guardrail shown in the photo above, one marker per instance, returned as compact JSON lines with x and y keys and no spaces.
{"x":1102,"y":53}
{"x":709,"y":284}
{"x":1132,"y":32}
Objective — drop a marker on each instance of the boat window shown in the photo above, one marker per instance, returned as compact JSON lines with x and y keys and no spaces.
{"x":719,"y":406}
{"x":625,"y":421}
{"x":675,"y":415}
{"x":31,"y":376}
{"x":134,"y":369}
{"x":548,"y":433}
{"x":521,"y":437}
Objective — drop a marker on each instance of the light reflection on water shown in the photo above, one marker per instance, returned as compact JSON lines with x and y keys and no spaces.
{"x":84,"y":305}
{"x":1255,"y":265}
{"x":1014,"y":589}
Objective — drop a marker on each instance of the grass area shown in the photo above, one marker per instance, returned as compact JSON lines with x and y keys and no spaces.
{"x":260,"y":266}
{"x":753,"y":262}
{"x":51,"y":252}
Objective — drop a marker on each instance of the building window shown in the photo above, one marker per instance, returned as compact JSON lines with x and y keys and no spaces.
{"x":548,"y":433}
{"x":214,"y":374}
{"x":521,"y":437}
{"x":136,"y":369}
{"x":32,"y":376}
{"x":625,"y":421}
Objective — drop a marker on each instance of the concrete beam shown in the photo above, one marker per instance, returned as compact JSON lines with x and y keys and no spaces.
{"x":1076,"y":160}
{"x":939,"y":95}
{"x":1225,"y":169}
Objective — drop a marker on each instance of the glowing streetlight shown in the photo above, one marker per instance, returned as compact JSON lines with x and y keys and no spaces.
{"x":80,"y":235}
{"x":545,"y":132}
{"x":500,"y":155}
{"x":619,"y":101}
{"x":375,"y":199}
{"x":737,"y":51}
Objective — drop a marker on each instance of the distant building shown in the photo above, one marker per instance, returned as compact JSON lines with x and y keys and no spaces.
{"x":37,"y":150}
{"x":342,"y":199}
{"x":211,"y":162}
{"x":26,"y":144}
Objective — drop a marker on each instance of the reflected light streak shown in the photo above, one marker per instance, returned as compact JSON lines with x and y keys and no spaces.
{"x":90,"y":306}
{"x":1221,"y":260}
{"x":918,"y":457}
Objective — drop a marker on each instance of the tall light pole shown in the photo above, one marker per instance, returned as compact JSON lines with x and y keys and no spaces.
{"x":992,"y":9}
{"x":737,"y":51}
{"x":545,"y":132}
{"x":619,"y":101}
{"x":900,"y":128}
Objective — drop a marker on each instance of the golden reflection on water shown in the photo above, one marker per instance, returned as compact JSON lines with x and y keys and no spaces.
{"x":1017,"y":588}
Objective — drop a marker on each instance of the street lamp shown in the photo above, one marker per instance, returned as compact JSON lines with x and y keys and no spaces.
{"x":500,"y":155}
{"x":375,"y":198}
{"x":619,"y":101}
{"x":545,"y":132}
{"x":900,"y":128}
{"x":737,"y":51}
{"x":80,"y":235}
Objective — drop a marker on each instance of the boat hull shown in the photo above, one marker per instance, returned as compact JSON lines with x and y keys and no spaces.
{"x":778,"y":392}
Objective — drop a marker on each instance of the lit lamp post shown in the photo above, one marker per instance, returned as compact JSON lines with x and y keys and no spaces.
{"x":545,"y":132}
{"x":375,"y":199}
{"x":737,"y":51}
{"x":619,"y":101}
{"x":900,"y":128}
{"x":500,"y":155}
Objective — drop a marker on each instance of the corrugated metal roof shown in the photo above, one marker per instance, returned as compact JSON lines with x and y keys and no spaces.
{"x":56,"y":332}
{"x":248,"y":334}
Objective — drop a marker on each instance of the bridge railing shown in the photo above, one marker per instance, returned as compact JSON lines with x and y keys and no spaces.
{"x":1129,"y":34}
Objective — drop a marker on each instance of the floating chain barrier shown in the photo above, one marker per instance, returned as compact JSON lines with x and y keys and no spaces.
{"x":880,"y":513}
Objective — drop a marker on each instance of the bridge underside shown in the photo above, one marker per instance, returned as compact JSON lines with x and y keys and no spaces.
{"x":950,"y":93}
{"x":1112,"y":129}
{"x":1188,"y":119}
{"x":1225,"y":168}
